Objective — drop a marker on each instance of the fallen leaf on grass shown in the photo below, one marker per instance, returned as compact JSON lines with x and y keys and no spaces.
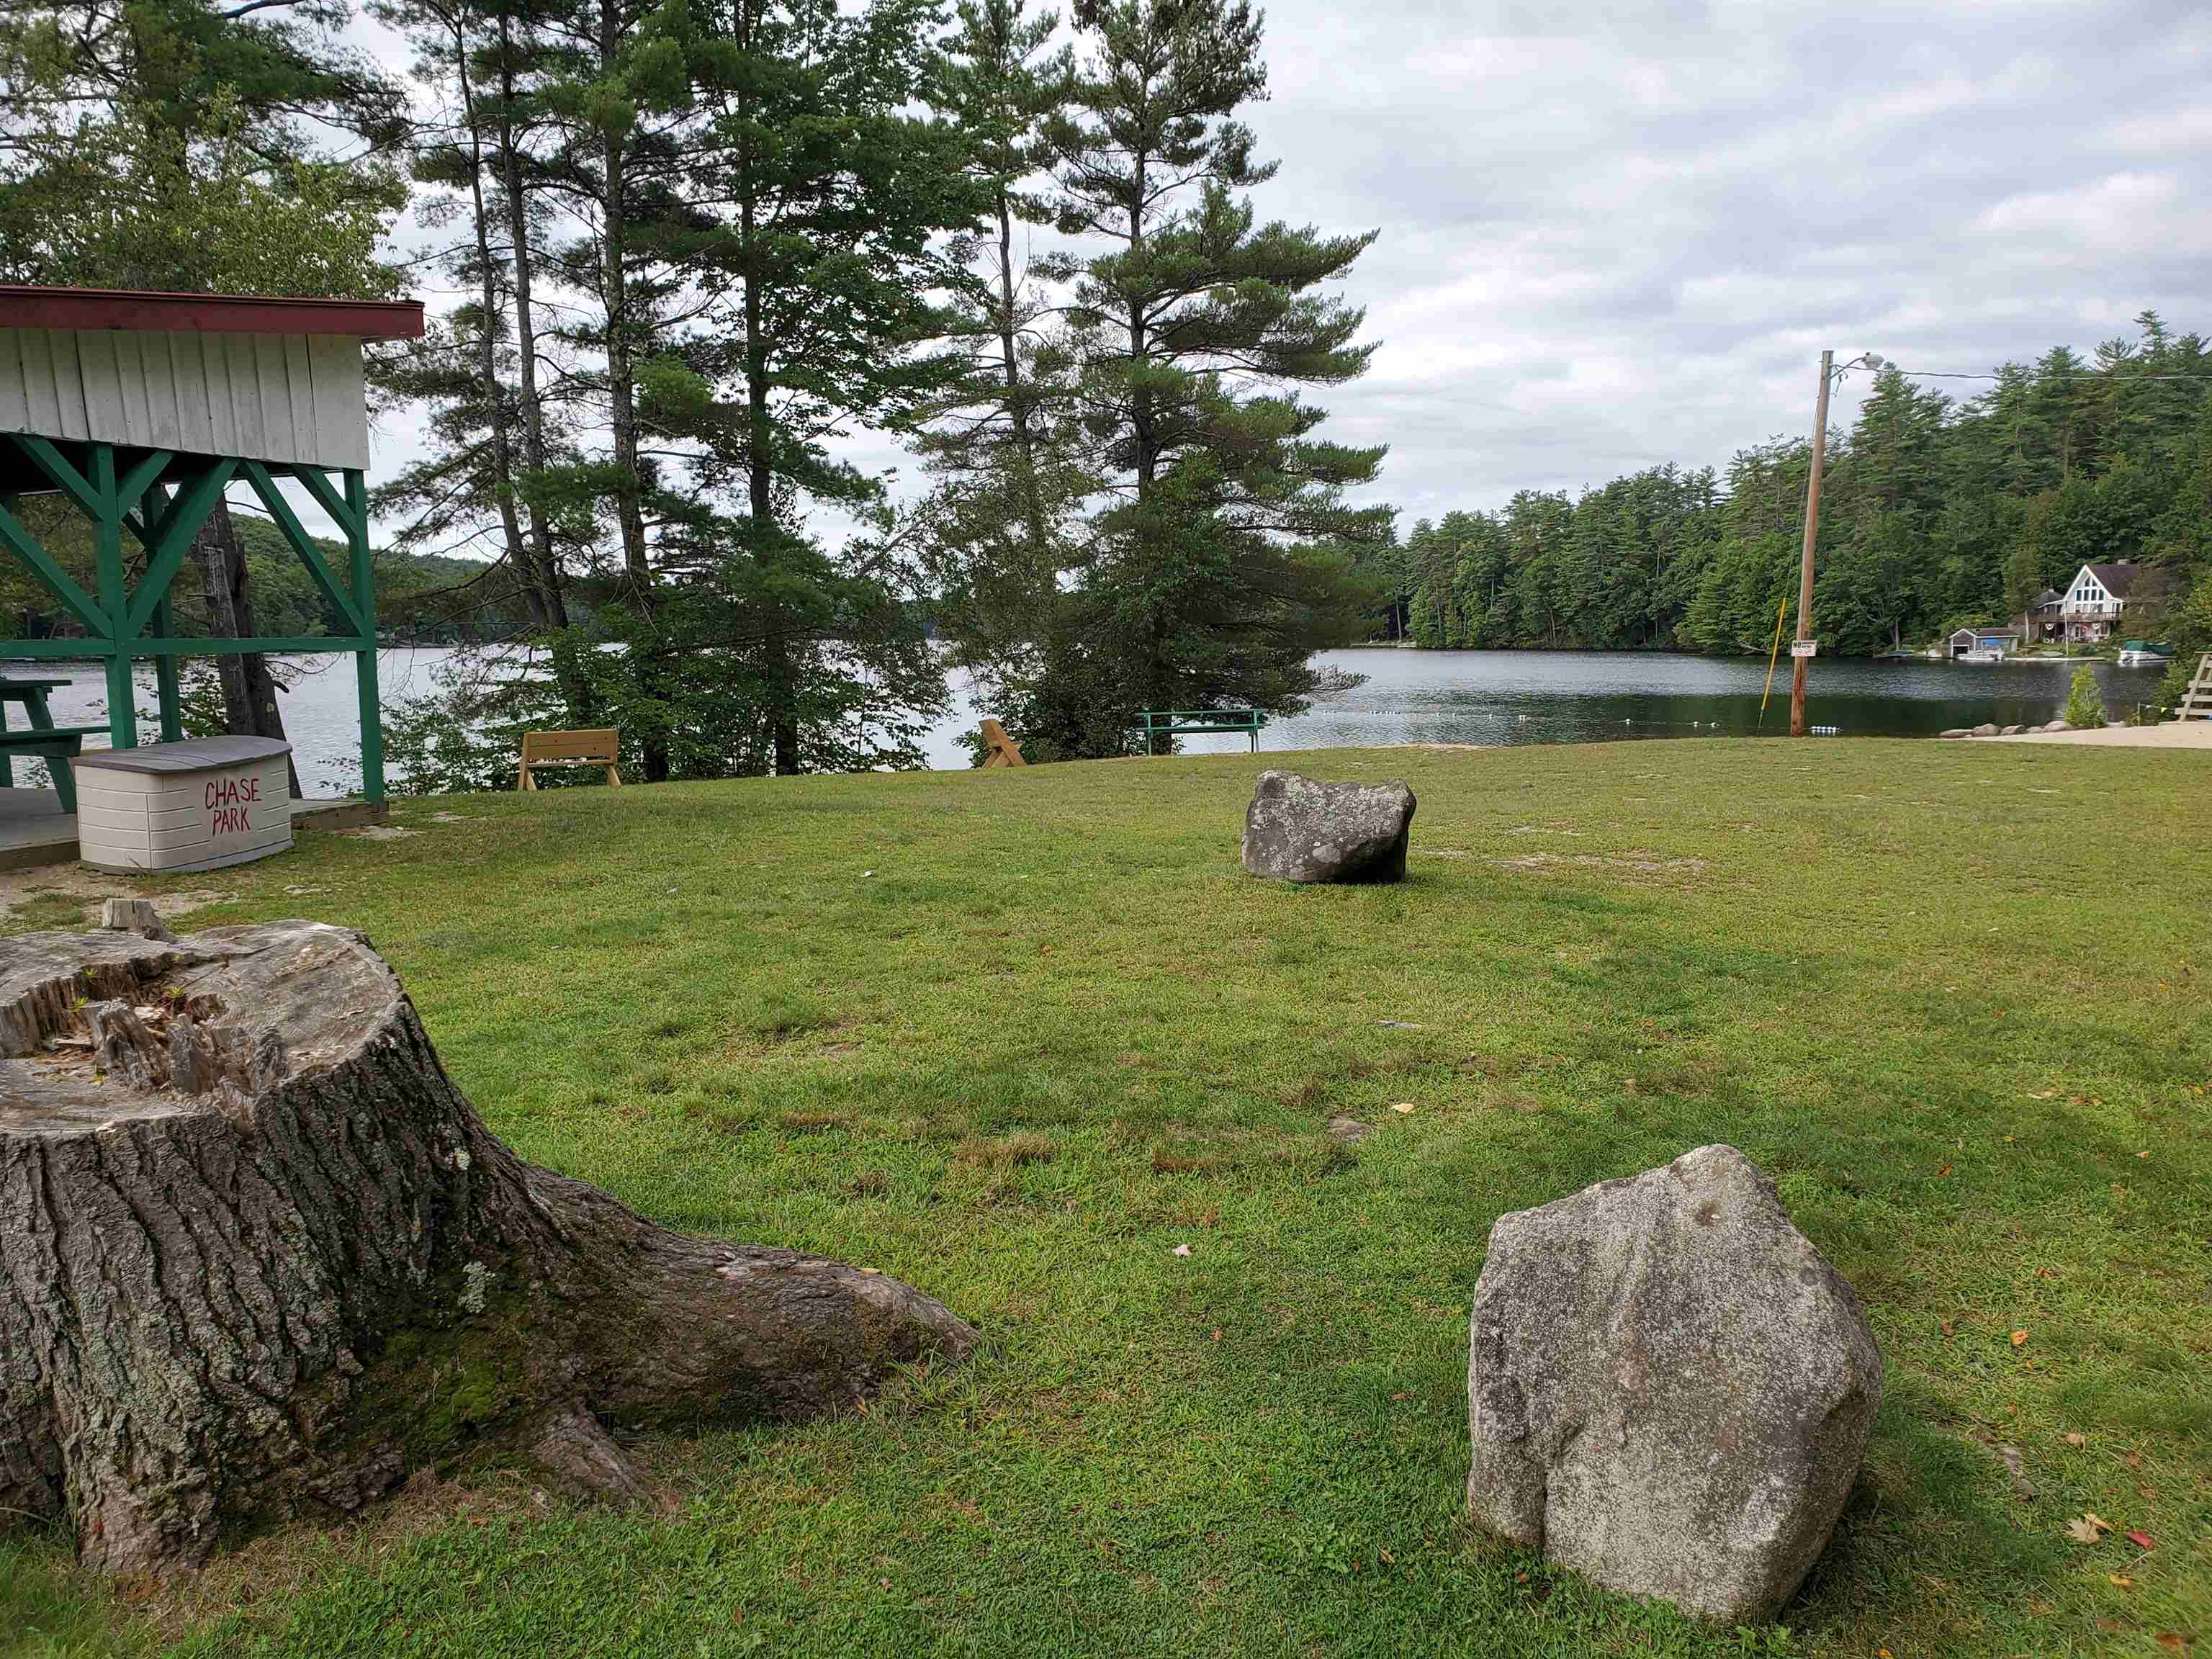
{"x":2141,"y":1540}
{"x":2171,"y":1641}
{"x":1402,"y":1107}
{"x":1182,"y":1249}
{"x":2077,"y":1439}
{"x":2019,"y":1337}
{"x":2043,"y":1094}
{"x":2122,"y":1580}
{"x":2089,"y":1528}
{"x":1946,"y":1328}
{"x":1943,"y":1172}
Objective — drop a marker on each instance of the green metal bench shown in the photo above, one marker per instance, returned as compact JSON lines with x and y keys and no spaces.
{"x":55,"y":744}
{"x":1196,"y":722}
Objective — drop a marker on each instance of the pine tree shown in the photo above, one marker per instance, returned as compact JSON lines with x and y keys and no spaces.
{"x":1000,"y":519}
{"x":832,"y":194}
{"x":1218,"y":568}
{"x":2085,"y":704}
{"x":474,"y":371}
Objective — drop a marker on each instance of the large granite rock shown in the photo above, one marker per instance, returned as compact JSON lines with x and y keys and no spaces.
{"x":1298,"y":829}
{"x":1668,"y":1389}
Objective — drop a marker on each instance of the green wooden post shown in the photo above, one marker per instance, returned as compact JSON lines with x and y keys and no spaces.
{"x":164,"y":667}
{"x":108,"y":526}
{"x":165,"y":679}
{"x":363,"y":578}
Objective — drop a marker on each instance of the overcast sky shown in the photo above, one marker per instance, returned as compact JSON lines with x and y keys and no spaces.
{"x":1619,"y":234}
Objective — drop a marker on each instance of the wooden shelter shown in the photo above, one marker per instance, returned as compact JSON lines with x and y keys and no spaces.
{"x":141,"y":410}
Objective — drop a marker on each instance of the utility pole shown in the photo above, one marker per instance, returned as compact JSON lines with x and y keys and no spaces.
{"x":1802,"y":652}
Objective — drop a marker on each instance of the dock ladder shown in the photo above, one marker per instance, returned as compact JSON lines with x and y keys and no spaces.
{"x":2197,"y":701}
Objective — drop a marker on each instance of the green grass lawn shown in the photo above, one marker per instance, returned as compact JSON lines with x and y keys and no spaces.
{"x":1016,"y":1035}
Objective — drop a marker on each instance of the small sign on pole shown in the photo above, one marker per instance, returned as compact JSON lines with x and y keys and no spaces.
{"x":1804,"y":648}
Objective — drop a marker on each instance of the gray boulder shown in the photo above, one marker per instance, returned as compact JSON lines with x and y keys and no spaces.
{"x":1668,"y":1389}
{"x":1956,"y":731}
{"x":1986,"y":729}
{"x":2011,"y":732}
{"x":2059,"y":725}
{"x":1300,"y":829}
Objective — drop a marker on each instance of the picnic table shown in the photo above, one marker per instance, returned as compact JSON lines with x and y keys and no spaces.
{"x":52,"y":744}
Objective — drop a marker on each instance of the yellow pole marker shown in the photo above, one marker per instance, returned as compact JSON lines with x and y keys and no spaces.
{"x":1780,"y":612}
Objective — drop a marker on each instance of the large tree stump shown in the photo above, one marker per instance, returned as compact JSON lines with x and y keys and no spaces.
{"x":258,"y":1257}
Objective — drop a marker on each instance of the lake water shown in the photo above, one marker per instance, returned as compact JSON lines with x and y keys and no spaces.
{"x":1409,"y":697}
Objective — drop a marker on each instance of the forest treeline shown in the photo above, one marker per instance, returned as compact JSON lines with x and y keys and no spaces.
{"x":1935,"y":512}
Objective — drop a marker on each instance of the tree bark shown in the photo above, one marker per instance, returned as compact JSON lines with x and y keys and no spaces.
{"x":260,"y":1258}
{"x":1018,"y":398}
{"x":518,"y":558}
{"x":547,"y":566}
{"x":249,"y":691}
{"x":779,"y":668}
{"x":621,"y":401}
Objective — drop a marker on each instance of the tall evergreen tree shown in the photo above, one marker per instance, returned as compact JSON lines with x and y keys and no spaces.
{"x":1000,"y":519}
{"x":463,"y":370}
{"x":1217,"y":567}
{"x":831,"y":190}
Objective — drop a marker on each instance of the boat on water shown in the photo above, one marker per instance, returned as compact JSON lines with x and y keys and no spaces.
{"x":1979,"y":656}
{"x":2143,"y":653}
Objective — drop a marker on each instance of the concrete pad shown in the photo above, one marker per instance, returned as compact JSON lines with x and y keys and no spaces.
{"x":2171,"y":734}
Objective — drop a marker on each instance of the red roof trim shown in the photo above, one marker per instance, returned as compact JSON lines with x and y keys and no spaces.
{"x":206,"y":313}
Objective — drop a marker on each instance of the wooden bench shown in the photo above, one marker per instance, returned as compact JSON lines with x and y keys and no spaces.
{"x":998,"y":749}
{"x":57,"y":745}
{"x":1197,"y":722}
{"x":594,"y":748}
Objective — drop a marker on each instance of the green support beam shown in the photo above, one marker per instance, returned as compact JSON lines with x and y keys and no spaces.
{"x":64,"y":477}
{"x":170,"y":540}
{"x":140,"y":478}
{"x":149,"y":645}
{"x":108,"y":550}
{"x":364,"y":594}
{"x":303,"y":544}
{"x":165,"y":679}
{"x":339,"y":507}
{"x":55,"y":580}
